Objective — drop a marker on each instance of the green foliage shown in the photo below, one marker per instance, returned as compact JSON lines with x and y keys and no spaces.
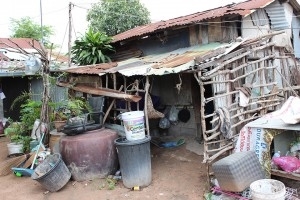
{"x":91,"y":48}
{"x":26,"y":28}
{"x":109,"y":184}
{"x":30,"y":111}
{"x":15,"y":132}
{"x":116,"y":16}
{"x":20,"y":99}
{"x":69,"y":108}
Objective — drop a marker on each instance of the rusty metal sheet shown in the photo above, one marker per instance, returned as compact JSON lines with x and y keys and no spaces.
{"x":172,"y":62}
{"x":24,"y":43}
{"x":160,"y":64}
{"x":243,"y":9}
{"x":91,"y":69}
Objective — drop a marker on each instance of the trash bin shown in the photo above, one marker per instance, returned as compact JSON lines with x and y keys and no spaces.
{"x":135,"y":161}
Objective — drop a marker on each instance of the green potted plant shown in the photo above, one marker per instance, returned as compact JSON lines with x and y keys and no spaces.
{"x":19,"y":132}
{"x":66,"y":109}
{"x":19,"y":140}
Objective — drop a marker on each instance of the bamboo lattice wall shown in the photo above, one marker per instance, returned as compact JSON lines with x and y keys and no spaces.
{"x":258,"y":65}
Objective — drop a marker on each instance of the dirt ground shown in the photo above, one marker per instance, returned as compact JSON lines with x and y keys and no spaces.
{"x":177,"y":174}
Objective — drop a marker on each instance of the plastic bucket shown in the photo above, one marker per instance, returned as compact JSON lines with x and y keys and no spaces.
{"x":265,"y":189}
{"x":14,"y":148}
{"x":135,"y":161}
{"x":52,"y":173}
{"x":134,"y":125}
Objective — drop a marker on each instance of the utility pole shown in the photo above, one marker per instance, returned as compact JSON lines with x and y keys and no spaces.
{"x":41,"y":12}
{"x":70,"y":34}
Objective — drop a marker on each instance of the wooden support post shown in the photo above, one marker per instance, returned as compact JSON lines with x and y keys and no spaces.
{"x":145,"y":105}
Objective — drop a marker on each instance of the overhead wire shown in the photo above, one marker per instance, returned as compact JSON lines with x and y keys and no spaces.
{"x":62,"y":41}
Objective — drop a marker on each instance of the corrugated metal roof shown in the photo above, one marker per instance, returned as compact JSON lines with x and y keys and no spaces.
{"x":160,"y":64}
{"x":91,"y":69}
{"x":243,"y":9}
{"x":172,"y":62}
{"x":19,"y":43}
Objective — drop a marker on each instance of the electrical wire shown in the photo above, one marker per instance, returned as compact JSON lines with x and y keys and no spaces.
{"x":73,"y":27}
{"x":63,"y":41}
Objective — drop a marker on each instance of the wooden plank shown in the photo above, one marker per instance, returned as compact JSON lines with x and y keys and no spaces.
{"x":203,"y":34}
{"x":193,"y":36}
{"x":199,"y":35}
{"x":284,"y":174}
{"x":101,"y":91}
{"x":215,"y":30}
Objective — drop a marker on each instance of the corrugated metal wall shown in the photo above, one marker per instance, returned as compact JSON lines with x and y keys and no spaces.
{"x":56,"y":93}
{"x":277,"y":16}
{"x":296,"y":36}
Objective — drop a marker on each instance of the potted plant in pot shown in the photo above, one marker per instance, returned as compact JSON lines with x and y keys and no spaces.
{"x":19,"y":132}
{"x":19,"y":140}
{"x":64,"y":110}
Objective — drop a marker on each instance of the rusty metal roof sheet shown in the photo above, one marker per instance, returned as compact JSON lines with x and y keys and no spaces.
{"x":243,"y":9}
{"x":19,"y":43}
{"x":172,"y":62}
{"x":91,"y":69}
{"x":160,"y":64}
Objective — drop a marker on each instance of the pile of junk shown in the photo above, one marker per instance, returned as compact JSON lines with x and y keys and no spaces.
{"x":82,"y":150}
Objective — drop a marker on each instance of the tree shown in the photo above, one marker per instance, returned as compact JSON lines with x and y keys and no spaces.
{"x":116,"y":16}
{"x":91,"y":48}
{"x":26,"y":28}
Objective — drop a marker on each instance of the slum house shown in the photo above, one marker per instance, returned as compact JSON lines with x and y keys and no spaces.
{"x":16,"y":78}
{"x":227,"y":66}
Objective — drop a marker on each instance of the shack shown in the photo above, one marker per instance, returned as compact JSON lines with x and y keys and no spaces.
{"x":229,"y":66}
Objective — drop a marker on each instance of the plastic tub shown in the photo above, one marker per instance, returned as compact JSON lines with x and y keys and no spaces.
{"x":265,"y":189}
{"x":135,"y":161}
{"x":134,"y":125}
{"x":52,"y":173}
{"x":14,"y":148}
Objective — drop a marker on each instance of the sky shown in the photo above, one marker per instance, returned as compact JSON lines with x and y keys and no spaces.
{"x":55,"y":13}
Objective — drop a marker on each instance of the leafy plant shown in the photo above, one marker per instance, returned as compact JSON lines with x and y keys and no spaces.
{"x":91,"y":48}
{"x":69,"y":108}
{"x":30,"y":111}
{"x":16,"y":135}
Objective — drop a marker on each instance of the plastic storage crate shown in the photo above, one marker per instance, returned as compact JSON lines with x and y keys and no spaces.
{"x":237,"y":171}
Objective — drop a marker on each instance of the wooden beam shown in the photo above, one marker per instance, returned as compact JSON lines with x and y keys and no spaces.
{"x":101,"y":91}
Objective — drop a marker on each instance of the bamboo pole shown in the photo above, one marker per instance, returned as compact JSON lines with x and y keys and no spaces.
{"x":227,"y":145}
{"x":226,"y":57}
{"x":145,"y":105}
{"x":221,"y":95}
{"x":213,"y":136}
{"x":101,"y":92}
{"x":210,"y":159}
{"x":238,"y":77}
{"x":237,"y":57}
{"x":110,"y":106}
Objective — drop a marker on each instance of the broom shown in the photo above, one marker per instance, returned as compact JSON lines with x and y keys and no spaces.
{"x":5,"y":166}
